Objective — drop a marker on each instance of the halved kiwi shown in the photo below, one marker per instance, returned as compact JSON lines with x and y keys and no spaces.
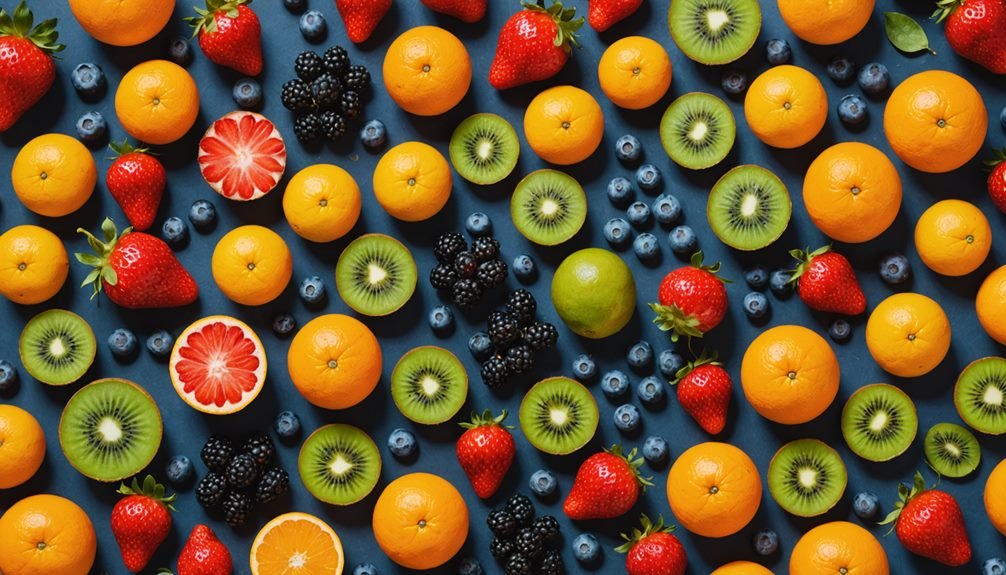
{"x":429,"y":385}
{"x":558,"y":415}
{"x":484,"y":149}
{"x":376,"y":275}
{"x":952,"y":450}
{"x":698,"y":130}
{"x":749,"y":208}
{"x":110,"y":429}
{"x":806,"y":477}
{"x":980,"y":395}
{"x":548,"y":207}
{"x":57,"y":347}
{"x":879,"y":422}
{"x":715,"y":32}
{"x":339,"y":464}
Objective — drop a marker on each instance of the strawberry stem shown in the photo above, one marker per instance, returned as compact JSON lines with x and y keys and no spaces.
{"x":150,"y":488}
{"x":634,"y":464}
{"x":486,"y":419}
{"x":205,"y":20}
{"x":704,"y":358}
{"x":804,"y":258}
{"x":637,"y":535}
{"x":20,"y":26}
{"x":905,"y":494}
{"x":102,"y":271}
{"x":944,"y":8}
{"x":566,"y":25}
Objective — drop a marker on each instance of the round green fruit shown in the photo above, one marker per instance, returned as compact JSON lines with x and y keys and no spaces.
{"x":594,"y":293}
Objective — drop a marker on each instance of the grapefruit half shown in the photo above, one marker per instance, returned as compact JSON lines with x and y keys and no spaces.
{"x":242,"y":156}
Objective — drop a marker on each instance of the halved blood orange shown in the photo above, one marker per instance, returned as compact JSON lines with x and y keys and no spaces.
{"x":218,"y":365}
{"x":296,"y":543}
{"x":242,"y":156}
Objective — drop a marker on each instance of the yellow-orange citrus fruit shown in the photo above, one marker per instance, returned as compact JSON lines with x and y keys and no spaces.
{"x":122,"y":22}
{"x":33,"y":264}
{"x":46,"y":535}
{"x":322,"y":203}
{"x":635,"y":72}
{"x":953,"y":237}
{"x":22,"y":446}
{"x":838,"y":547}
{"x":252,"y":265}
{"x":157,"y":102}
{"x":786,"y":106}
{"x":714,"y":489}
{"x":826,"y":21}
{"x":908,"y":334}
{"x":427,"y":71}
{"x":564,"y":125}
{"x":995,"y":503}
{"x":334,"y":361}
{"x":742,"y":568}
{"x":412,"y":181}
{"x":990,"y":303}
{"x":53,"y":175}
{"x":296,"y":544}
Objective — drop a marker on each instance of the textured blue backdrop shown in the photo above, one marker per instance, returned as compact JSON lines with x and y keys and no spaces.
{"x":185,"y":429}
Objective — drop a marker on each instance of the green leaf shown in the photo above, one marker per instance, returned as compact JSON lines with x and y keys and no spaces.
{"x":905,"y":33}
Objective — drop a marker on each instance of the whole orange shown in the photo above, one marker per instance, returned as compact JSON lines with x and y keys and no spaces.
{"x":786,"y":106}
{"x":790,"y":374}
{"x":334,"y":361}
{"x":908,"y":334}
{"x":826,"y":21}
{"x":122,"y":22}
{"x":564,"y":125}
{"x":852,"y":192}
{"x":46,"y":535}
{"x":714,"y":489}
{"x":322,"y":203}
{"x":157,"y":102}
{"x":995,"y":503}
{"x":990,"y":303}
{"x":420,"y":521}
{"x":838,"y":547}
{"x":742,"y":568}
{"x":22,"y":446}
{"x":33,"y":264}
{"x":412,"y":181}
{"x":635,"y":72}
{"x":53,"y":175}
{"x":935,"y":121}
{"x":252,"y":265}
{"x":953,"y":237}
{"x":427,"y":71}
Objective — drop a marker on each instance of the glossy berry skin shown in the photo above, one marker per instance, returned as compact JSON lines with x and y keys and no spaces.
{"x":669,"y":362}
{"x":247,"y":94}
{"x":852,"y":110}
{"x":203,"y":215}
{"x":230,"y":36}
{"x":1002,"y":117}
{"x":26,"y":63}
{"x":653,"y":550}
{"x":734,"y":82}
{"x":287,"y":425}
{"x":666,"y":209}
{"x":122,"y":343}
{"x":141,"y":521}
{"x":543,"y":483}
{"x":655,"y":450}
{"x":620,"y":191}
{"x":478,"y":224}
{"x":930,"y":523}
{"x":780,"y":285}
{"x":603,"y":14}
{"x":842,"y":70}
{"x":136,"y":180}
{"x":534,"y":44}
{"x":607,"y":485}
{"x":825,"y":281}
{"x":159,"y":344}
{"x":840,"y":331}
{"x":361,"y":17}
{"x":373,"y":134}
{"x":646,"y":247}
{"x":648,"y":177}
{"x":756,"y":305}
{"x":365,"y":569}
{"x":683,"y":240}
{"x":523,"y":268}
{"x":485,"y":451}
{"x":874,"y":79}
{"x":866,"y":506}
{"x":469,"y":11}
{"x":704,"y":390}
{"x":283,"y":325}
{"x":204,"y":554}
{"x":778,"y":52}
{"x":313,"y":26}
{"x":312,"y":290}
{"x":180,"y":51}
{"x":586,"y":548}
{"x":470,"y":566}
{"x":691,"y":300}
{"x":976,"y":30}
{"x":91,"y":128}
{"x":88,"y":80}
{"x":175,"y":232}
{"x":402,"y":443}
{"x":997,"y":177}
{"x":628,"y":149}
{"x":481,"y":345}
{"x":765,"y":542}
{"x":756,"y":278}
{"x":617,"y":232}
{"x":295,"y":6}
{"x":179,"y":470}
{"x":640,"y":355}
{"x":614,"y":384}
{"x":994,"y":566}
{"x":627,"y":418}
{"x":584,"y":367}
{"x":8,"y":377}
{"x":638,"y":214}
{"x":441,"y":319}
{"x":650,"y":391}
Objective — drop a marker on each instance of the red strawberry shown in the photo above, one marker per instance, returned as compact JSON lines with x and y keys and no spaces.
{"x":141,"y":521}
{"x":485,"y":452}
{"x":204,"y":554}
{"x":652,"y":550}
{"x":27,"y":70}
{"x":930,"y":523}
{"x":704,"y":389}
{"x":603,"y":14}
{"x":976,"y":30}
{"x":136,"y":180}
{"x":136,"y":270}
{"x":230,"y":35}
{"x":997,"y":179}
{"x":469,"y":11}
{"x":825,"y":281}
{"x":534,"y":44}
{"x":361,"y":17}
{"x":692,"y":300}
{"x":607,"y":485}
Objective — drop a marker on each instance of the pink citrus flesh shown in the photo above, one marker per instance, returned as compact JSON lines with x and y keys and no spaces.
{"x":242,"y":156}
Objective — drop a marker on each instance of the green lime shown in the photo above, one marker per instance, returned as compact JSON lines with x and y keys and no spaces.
{"x":594,"y":293}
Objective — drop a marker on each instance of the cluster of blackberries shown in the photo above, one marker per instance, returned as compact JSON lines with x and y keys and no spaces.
{"x":514,"y":338}
{"x":522,"y":543}
{"x":327,"y":92}
{"x":240,"y":476}
{"x":464,"y":271}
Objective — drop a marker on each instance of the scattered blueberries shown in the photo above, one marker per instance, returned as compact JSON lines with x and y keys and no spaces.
{"x":122,"y":343}
{"x":179,"y":470}
{"x":614,"y":384}
{"x":620,"y":191}
{"x":364,"y":568}
{"x":655,"y":449}
{"x":895,"y":269}
{"x":617,"y":232}
{"x":778,"y":52}
{"x":852,"y":110}
{"x":295,"y":6}
{"x":478,"y":224}
{"x":202,"y":214}
{"x":666,"y":209}
{"x":287,"y":425}
{"x":247,"y":93}
{"x":401,"y":443}
{"x":481,"y":346}
{"x":283,"y":325}
{"x":91,"y":127}
{"x":312,"y":290}
{"x":441,"y":319}
{"x":757,"y":278}
{"x":755,"y":305}
{"x":866,"y":506}
{"x":1002,"y":117}
{"x":373,"y":134}
{"x":778,"y":282}
{"x":586,"y":548}
{"x":470,"y":566}
{"x":874,"y":79}
{"x":584,"y":368}
{"x":650,"y":391}
{"x":8,"y":376}
{"x":994,"y":566}
{"x":670,"y":362}
{"x":628,"y":149}
{"x":88,"y":80}
{"x":627,"y":417}
{"x":638,"y":214}
{"x":646,"y":246}
{"x":648,"y":177}
{"x":766,"y":542}
{"x":175,"y":232}
{"x":160,"y":343}
{"x":543,"y":483}
{"x":640,"y":355}
{"x":734,"y":82}
{"x":683,"y":240}
{"x":840,"y":331}
{"x":180,"y":51}
{"x":312,"y":26}
{"x":842,"y":70}
{"x":523,"y":268}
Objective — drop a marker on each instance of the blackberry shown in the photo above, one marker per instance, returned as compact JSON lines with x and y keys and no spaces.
{"x":501,"y":548}
{"x":522,"y":305}
{"x":350,"y":104}
{"x":211,"y":490}
{"x":495,"y":372}
{"x":336,"y":60}
{"x":517,"y":564}
{"x":501,"y":523}
{"x":308,"y":66}
{"x":551,"y":563}
{"x":520,"y":359}
{"x":486,"y":248}
{"x":541,"y":335}
{"x":273,"y":485}
{"x":492,"y":273}
{"x":466,"y":293}
{"x":448,"y":245}
{"x":217,"y":452}
{"x":503,"y":329}
{"x":529,"y":543}
{"x":443,"y":277}
{"x":546,"y":526}
{"x":308,"y":129}
{"x":356,"y":78}
{"x":326,"y":90}
{"x":465,"y":264}
{"x":333,"y":125}
{"x":261,"y":448}
{"x":296,"y":96}
{"x":242,"y":471}
{"x":521,"y":508}
{"x":236,"y":507}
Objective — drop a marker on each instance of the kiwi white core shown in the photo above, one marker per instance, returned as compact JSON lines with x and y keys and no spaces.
{"x":340,"y":466}
{"x":109,"y":430}
{"x":558,"y":416}
{"x":376,"y":274}
{"x":993,"y":396}
{"x":717,"y":19}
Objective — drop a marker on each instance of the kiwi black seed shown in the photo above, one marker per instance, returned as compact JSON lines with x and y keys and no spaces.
{"x":548,"y":207}
{"x":484,"y":149}
{"x":980,"y":395}
{"x":429,"y":385}
{"x":714,"y":32}
{"x":339,"y":464}
{"x":558,"y":415}
{"x":698,"y":130}
{"x":749,"y":208}
{"x":879,"y":422}
{"x":952,"y":450}
{"x":376,"y":274}
{"x":806,"y":477}
{"x":57,"y":347}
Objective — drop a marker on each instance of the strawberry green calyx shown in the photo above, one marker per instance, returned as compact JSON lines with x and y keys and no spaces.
{"x":205,"y":21}
{"x":637,"y":535}
{"x":20,"y":25}
{"x":671,"y":318}
{"x":944,"y":8}
{"x":998,"y":157}
{"x":704,"y":358}
{"x":566,"y":26}
{"x":905,"y":494}
{"x":805,"y":257}
{"x":634,"y":464}
{"x":123,"y":148}
{"x":150,"y":488}
{"x":102,"y":271}
{"x":486,"y":419}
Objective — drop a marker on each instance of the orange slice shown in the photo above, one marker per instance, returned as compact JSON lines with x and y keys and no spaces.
{"x":297,"y":544}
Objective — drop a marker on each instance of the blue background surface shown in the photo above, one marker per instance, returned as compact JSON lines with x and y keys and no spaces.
{"x":185,"y":429}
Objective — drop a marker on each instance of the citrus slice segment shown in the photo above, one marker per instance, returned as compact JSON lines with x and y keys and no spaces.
{"x":242,"y":156}
{"x":296,"y":543}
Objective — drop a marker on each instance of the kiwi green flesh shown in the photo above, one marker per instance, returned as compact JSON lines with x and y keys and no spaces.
{"x":376,"y":275}
{"x":484,"y":149}
{"x":57,"y":347}
{"x":558,"y":416}
{"x":807,"y":478}
{"x":715,"y":31}
{"x":429,"y":385}
{"x":879,"y":422}
{"x":980,"y":395}
{"x":749,"y":208}
{"x":952,"y":450}
{"x":698,"y":130}
{"x":548,"y":207}
{"x":110,"y":430}
{"x":339,"y":464}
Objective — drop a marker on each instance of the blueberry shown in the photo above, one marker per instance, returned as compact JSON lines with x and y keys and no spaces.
{"x":842,"y":70}
{"x":481,"y":345}
{"x":640,"y":355}
{"x":179,"y":470}
{"x":401,"y":443}
{"x":648,"y":177}
{"x":283,"y":325}
{"x":778,"y":282}
{"x":852,"y":110}
{"x":312,"y":290}
{"x":586,"y":548}
{"x":628,"y":149}
{"x":734,"y":82}
{"x":755,"y":305}
{"x":620,"y":191}
{"x":287,"y":425}
{"x":994,"y":566}
{"x":638,"y":214}
{"x":88,"y":80}
{"x":757,"y":278}
{"x":617,"y":232}
{"x":91,"y":127}
{"x":840,"y":331}
{"x":650,"y":391}
{"x":8,"y":376}
{"x":1002,"y":117}
{"x":175,"y":232}
{"x":373,"y":134}
{"x":627,"y":417}
{"x":874,"y":79}
{"x":584,"y":368}
{"x":778,"y":52}
{"x":866,"y":506}
{"x":312,"y":26}
{"x":180,"y":51}
{"x":202,"y":214}
{"x":669,"y":362}
{"x":683,"y":240}
{"x":655,"y":449}
{"x":122,"y":343}
{"x":441,"y":319}
{"x":160,"y":343}
{"x":666,"y":209}
{"x":479,"y":224}
{"x":523,"y":267}
{"x":895,"y":269}
{"x":766,"y":542}
{"x":470,"y":566}
{"x":247,"y":93}
{"x":614,"y":384}
{"x":364,"y":569}
{"x":646,"y":246}
{"x":543,"y":483}
{"x":295,"y":6}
